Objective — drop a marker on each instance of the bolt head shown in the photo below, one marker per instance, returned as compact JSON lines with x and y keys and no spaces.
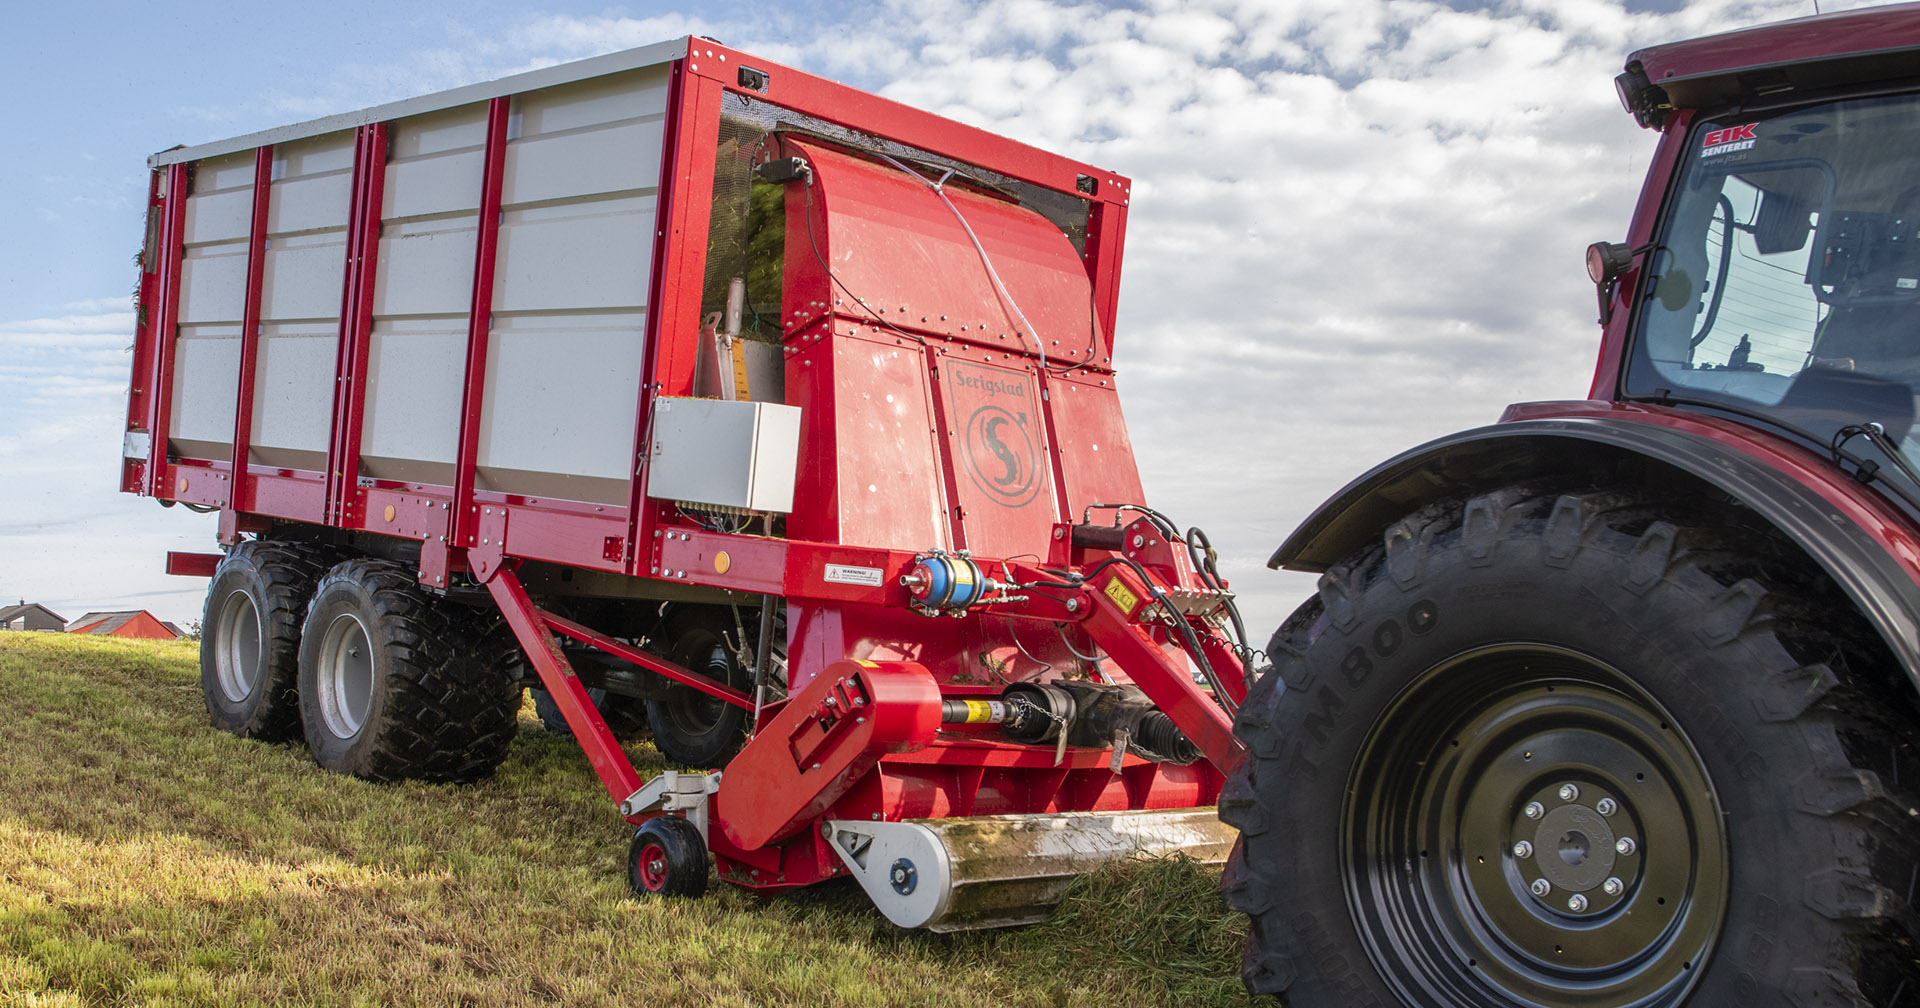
{"x":1541,"y":887}
{"x":1568,"y":792}
{"x":1606,"y":806}
{"x":1625,"y":845}
{"x":1612,"y":886}
{"x":1535,"y":810}
{"x":1523,"y":849}
{"x":1577,"y":903}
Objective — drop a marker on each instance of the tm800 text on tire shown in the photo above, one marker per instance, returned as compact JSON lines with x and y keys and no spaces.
{"x":250,"y":637}
{"x":1541,"y":749}
{"x":393,"y":684}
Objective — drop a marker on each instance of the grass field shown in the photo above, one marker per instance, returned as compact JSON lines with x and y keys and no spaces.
{"x":146,"y":859}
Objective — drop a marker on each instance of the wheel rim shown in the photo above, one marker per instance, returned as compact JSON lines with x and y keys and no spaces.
{"x":346,"y":676}
{"x":236,"y":652}
{"x":651,"y":867}
{"x":1545,"y":837}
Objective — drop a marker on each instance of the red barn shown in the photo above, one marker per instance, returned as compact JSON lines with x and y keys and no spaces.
{"x":132,"y":623}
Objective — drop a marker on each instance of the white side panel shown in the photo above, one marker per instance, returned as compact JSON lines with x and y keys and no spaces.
{"x":311,"y":204}
{"x":434,"y":163}
{"x":213,"y":291}
{"x":592,"y":103}
{"x":591,"y":255}
{"x":300,"y":301}
{"x":418,"y":347}
{"x":206,"y":374}
{"x":414,"y":379}
{"x":293,"y":394}
{"x":562,"y":396}
{"x":426,"y":268}
{"x":570,"y":288}
{"x":213,"y":282}
{"x":615,"y":158}
{"x":219,"y":216}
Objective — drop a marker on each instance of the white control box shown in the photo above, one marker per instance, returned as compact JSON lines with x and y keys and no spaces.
{"x":724,"y":453}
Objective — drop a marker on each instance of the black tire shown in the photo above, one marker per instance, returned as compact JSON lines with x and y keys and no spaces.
{"x":626,"y":716}
{"x":1694,"y":688}
{"x":394,"y":682}
{"x":690,"y":727}
{"x":250,"y":637}
{"x":667,"y":858}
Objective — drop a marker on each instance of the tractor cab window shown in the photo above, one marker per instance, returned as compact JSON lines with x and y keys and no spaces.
{"x":1787,"y":277}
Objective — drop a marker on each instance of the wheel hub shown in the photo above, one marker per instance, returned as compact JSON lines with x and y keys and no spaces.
{"x":1574,"y":846}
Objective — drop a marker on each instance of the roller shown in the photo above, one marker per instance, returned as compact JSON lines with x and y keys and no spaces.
{"x":964,"y":874}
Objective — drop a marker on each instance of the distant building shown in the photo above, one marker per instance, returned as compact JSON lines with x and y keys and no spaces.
{"x":31,"y":616}
{"x":133,"y":623}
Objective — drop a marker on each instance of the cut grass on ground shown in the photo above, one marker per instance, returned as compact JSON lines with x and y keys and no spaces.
{"x":146,"y":858}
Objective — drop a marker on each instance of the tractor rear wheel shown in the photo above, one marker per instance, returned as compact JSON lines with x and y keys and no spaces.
{"x":1547,"y":750}
{"x":250,"y":637}
{"x":396,"y":683}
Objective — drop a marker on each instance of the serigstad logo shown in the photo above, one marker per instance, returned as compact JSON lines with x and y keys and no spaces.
{"x":1726,"y":141}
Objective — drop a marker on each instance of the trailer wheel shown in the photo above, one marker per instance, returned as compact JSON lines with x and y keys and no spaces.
{"x":1557,"y":750}
{"x":690,"y":727}
{"x":667,"y":858}
{"x":626,"y":716}
{"x":250,"y":637}
{"x":393,"y":683}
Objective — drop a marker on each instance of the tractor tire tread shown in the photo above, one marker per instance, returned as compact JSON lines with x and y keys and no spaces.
{"x":1757,"y":594}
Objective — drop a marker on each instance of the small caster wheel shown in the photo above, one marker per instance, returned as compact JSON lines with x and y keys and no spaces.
{"x":667,"y":858}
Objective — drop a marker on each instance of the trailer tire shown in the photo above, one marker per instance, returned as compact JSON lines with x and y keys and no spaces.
{"x":250,"y":637}
{"x":690,"y":727}
{"x":667,"y":858}
{"x":396,"y":683}
{"x":1543,"y":749}
{"x":626,"y":716}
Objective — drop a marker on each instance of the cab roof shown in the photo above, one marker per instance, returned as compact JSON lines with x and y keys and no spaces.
{"x":1804,"y":55}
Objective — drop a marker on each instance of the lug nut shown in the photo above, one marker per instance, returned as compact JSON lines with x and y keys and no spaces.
{"x":1523,"y":849}
{"x":1535,"y":810}
{"x":1541,"y":887}
{"x":1577,"y":903}
{"x":1612,"y":886}
{"x":1606,"y":806}
{"x":1568,"y":792}
{"x":1625,"y":845}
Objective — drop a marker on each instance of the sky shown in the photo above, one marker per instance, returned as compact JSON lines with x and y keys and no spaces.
{"x":1356,"y":225}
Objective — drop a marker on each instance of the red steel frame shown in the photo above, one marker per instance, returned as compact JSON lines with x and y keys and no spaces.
{"x":239,"y":500}
{"x":462,"y":527}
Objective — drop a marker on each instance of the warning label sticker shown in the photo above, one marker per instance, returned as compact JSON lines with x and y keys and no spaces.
{"x":1121,"y":595}
{"x":840,"y":574}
